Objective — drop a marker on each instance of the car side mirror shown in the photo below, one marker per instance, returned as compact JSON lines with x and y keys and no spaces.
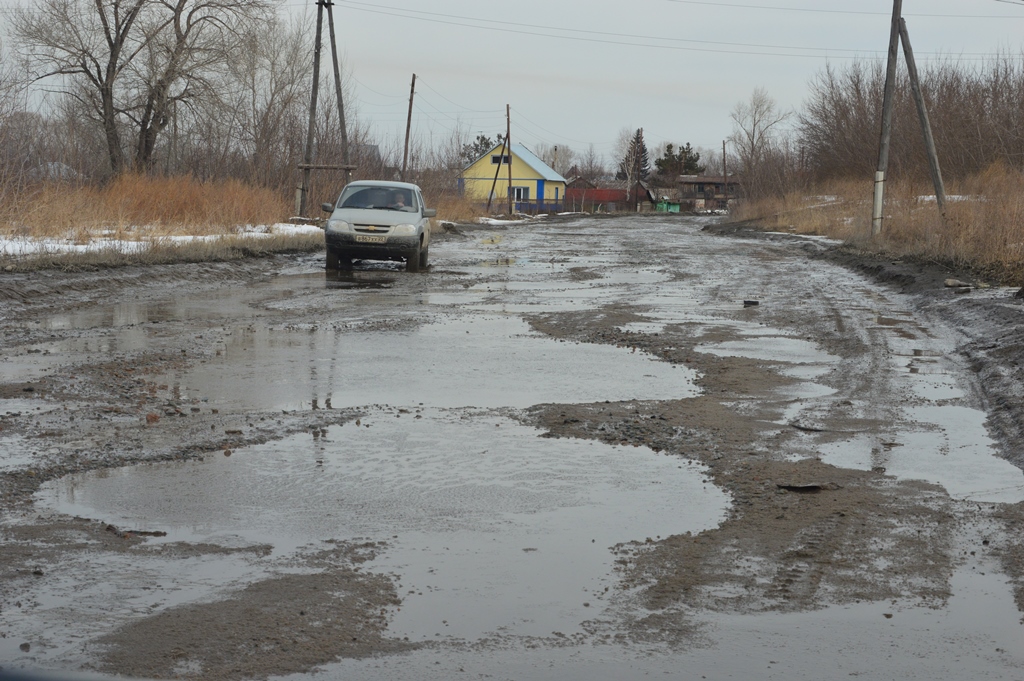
{"x":429,"y":212}
{"x":327,"y":207}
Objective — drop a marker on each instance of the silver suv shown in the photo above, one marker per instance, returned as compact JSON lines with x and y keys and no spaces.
{"x":376,"y":220}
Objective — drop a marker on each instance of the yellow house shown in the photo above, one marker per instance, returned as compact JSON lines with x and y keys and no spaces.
{"x":536,"y":187}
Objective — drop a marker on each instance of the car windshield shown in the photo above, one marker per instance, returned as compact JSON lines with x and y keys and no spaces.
{"x":379,"y":198}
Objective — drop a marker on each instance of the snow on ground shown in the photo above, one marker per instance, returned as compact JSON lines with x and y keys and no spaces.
{"x":20,"y":246}
{"x":518,"y":220}
{"x":950,"y":198}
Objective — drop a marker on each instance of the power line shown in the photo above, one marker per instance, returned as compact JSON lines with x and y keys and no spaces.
{"x":466,"y":108}
{"x":774,"y":8}
{"x":367,"y":87}
{"x":581,"y":35}
{"x":501,"y":23}
{"x":503,"y":27}
{"x":520,"y":114}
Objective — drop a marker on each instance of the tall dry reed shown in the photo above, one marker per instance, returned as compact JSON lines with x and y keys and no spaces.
{"x":982,"y":231}
{"x":137,"y":203}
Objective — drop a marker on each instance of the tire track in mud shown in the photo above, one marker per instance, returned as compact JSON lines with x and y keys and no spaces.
{"x":802,"y":566}
{"x":778,"y":550}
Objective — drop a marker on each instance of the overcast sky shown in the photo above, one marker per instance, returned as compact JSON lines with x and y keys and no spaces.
{"x":576,"y":72}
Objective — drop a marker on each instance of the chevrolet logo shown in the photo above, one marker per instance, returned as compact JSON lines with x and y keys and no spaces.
{"x":371,"y":228}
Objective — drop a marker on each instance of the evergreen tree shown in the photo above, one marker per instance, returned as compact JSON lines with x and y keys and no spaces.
{"x":480,"y":146}
{"x":684,"y":162}
{"x":636,"y":164}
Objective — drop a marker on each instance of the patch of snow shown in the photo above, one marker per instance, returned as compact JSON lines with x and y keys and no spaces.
{"x":952,"y":198}
{"x":21,"y":246}
{"x":495,"y":221}
{"x":809,"y":237}
{"x":289,"y":229}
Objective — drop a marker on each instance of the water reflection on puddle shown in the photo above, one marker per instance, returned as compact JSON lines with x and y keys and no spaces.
{"x":772,"y":349}
{"x":481,"y":361}
{"x":977,"y":636}
{"x":491,"y":528}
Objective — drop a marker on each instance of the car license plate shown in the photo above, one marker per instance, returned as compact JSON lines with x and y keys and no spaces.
{"x":371,"y":239}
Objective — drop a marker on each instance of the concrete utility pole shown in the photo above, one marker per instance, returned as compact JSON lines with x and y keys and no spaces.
{"x":887,"y":101}
{"x":922,"y":114}
{"x":408,"y":127}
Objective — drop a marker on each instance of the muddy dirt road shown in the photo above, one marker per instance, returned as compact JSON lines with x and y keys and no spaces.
{"x":587,"y":449}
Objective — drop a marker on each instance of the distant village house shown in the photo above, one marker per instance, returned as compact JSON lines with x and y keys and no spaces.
{"x":536,"y":187}
{"x":613,"y":197}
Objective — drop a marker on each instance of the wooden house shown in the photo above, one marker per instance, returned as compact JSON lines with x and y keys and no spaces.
{"x":707,"y":192}
{"x":608,"y":197}
{"x":536,"y":187}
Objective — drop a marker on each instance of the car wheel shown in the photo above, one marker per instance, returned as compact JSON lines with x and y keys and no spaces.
{"x":412,"y":263}
{"x":337,"y":261}
{"x":423,"y":257}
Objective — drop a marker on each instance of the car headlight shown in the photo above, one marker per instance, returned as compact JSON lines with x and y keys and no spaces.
{"x":338,"y":226}
{"x":404,"y":230}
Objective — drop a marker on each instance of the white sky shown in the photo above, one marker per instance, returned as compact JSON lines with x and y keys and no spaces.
{"x":576,"y":72}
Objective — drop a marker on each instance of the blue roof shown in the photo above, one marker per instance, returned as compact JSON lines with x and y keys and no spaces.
{"x":530,"y":159}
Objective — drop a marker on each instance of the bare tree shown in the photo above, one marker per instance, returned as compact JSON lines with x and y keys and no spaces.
{"x":14,"y":142}
{"x":189,"y":43}
{"x":591,"y":165}
{"x":130,"y":61}
{"x":88,"y":44}
{"x":711,"y":157}
{"x":267,"y":87}
{"x":559,"y":157}
{"x":757,"y":136}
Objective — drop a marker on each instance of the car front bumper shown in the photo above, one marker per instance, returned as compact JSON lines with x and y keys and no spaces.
{"x":394,"y":248}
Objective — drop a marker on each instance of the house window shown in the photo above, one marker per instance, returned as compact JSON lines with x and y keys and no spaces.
{"x":499,"y":158}
{"x":521,"y":193}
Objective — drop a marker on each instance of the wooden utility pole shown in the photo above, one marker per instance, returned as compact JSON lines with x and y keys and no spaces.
{"x":497,"y":171}
{"x":922,"y":113}
{"x":345,"y":158}
{"x":725,"y":176}
{"x":300,"y":196}
{"x":408,"y":128}
{"x":508,"y":143}
{"x":887,"y":102}
{"x":307,"y":166}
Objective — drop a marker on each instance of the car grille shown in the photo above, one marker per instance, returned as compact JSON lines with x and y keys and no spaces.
{"x":372,"y":229}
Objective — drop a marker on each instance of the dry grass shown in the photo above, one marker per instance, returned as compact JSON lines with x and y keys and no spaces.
{"x":982,"y":231}
{"x":160,"y":206}
{"x":149,"y":210}
{"x":454,"y":208}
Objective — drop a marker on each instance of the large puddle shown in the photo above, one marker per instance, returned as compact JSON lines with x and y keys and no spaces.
{"x":454,"y":361}
{"x":977,"y":636}
{"x":491,"y":528}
